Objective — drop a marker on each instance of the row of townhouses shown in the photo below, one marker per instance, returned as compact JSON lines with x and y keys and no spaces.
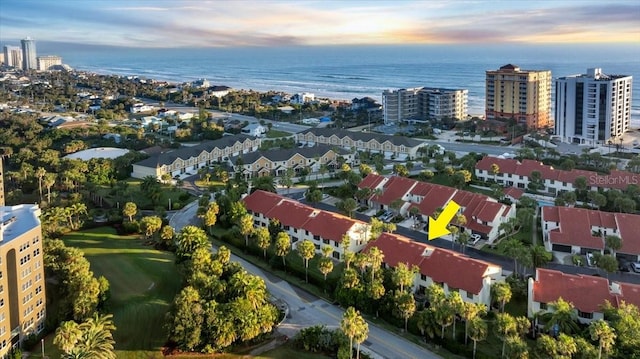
{"x":483,"y":213}
{"x":587,"y":293}
{"x":396,"y":147}
{"x":277,"y":162}
{"x":579,"y":231}
{"x":514,"y":173}
{"x":453,"y":271}
{"x":303,"y":222}
{"x":188,"y":159}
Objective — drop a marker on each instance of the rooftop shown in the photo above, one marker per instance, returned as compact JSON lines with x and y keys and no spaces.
{"x":17,"y":220}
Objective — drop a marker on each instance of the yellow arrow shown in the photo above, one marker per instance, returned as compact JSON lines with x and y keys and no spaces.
{"x":438,"y":228}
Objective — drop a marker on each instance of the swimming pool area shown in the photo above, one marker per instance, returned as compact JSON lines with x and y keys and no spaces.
{"x":545,"y":203}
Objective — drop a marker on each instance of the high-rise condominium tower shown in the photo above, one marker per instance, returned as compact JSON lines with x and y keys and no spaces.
{"x":13,"y":56}
{"x":522,"y":95}
{"x":29,"y":57}
{"x":424,"y":103}
{"x":592,"y":108}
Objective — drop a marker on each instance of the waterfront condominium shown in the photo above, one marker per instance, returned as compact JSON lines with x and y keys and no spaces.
{"x":13,"y":56}
{"x":522,"y":95}
{"x":29,"y":58}
{"x":421,"y":104}
{"x":22,"y":284}
{"x":592,"y":108}
{"x":46,"y":62}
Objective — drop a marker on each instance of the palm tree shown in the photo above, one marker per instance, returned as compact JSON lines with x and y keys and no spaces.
{"x":306,"y":250}
{"x":613,"y":243}
{"x":563,"y":315}
{"x":505,"y":328}
{"x":469,"y":313}
{"x":361,"y":335}
{"x":477,"y":332}
{"x":457,"y":307}
{"x":405,"y":306}
{"x":495,"y":169}
{"x":40,"y":173}
{"x":283,"y":246}
{"x":130,"y":209}
{"x":67,"y":335}
{"x":501,"y":293}
{"x":245,"y":226}
{"x":604,"y":334}
{"x":189,"y":239}
{"x":353,"y":326}
{"x":403,"y":276}
{"x":49,"y":181}
{"x":263,"y":239}
{"x":376,"y":258}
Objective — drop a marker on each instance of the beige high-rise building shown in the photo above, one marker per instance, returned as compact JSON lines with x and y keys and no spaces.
{"x":46,"y":62}
{"x":13,"y":56}
{"x":522,"y":95}
{"x":22,"y":287}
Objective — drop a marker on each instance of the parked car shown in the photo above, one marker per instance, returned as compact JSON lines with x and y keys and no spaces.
{"x":475,"y":238}
{"x":590,"y":260}
{"x":636,"y":267}
{"x":386,"y":216}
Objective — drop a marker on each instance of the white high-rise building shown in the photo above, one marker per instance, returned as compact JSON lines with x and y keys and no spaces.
{"x":29,"y":57}
{"x":592,"y":108}
{"x":13,"y":56}
{"x":421,"y":104}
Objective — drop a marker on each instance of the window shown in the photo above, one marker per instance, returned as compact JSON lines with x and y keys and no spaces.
{"x":469,"y":295}
{"x":423,"y":277}
{"x":543,"y":306}
{"x":585,"y":315}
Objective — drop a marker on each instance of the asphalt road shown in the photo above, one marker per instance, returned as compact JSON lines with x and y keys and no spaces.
{"x":306,"y":310}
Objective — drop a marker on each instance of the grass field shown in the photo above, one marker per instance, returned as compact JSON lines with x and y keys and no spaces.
{"x":143,"y":283}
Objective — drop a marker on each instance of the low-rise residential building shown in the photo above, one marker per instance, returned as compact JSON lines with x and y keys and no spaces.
{"x":568,"y":230}
{"x":483,"y":213}
{"x":395,"y":147}
{"x":277,"y":162}
{"x":514,"y":173}
{"x":472,"y":278}
{"x":187,"y":160}
{"x":302,"y":98}
{"x":303,"y":222}
{"x":254,"y":129}
{"x":587,"y":293}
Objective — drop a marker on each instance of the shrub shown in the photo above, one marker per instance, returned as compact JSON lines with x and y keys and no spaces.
{"x":130,"y":227}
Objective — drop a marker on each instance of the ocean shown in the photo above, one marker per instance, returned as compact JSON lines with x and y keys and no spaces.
{"x":347,"y":72}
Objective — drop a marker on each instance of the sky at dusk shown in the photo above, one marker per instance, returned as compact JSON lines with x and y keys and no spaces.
{"x":185,"y":23}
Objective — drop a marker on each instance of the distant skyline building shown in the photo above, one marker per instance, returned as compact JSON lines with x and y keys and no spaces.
{"x":592,"y":108}
{"x":46,"y":62}
{"x":421,"y":104}
{"x":12,"y":56}
{"x":522,"y":95}
{"x":29,"y":56}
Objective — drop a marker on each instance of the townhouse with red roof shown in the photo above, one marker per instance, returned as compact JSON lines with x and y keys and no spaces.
{"x":483,"y":213}
{"x":514,"y":173}
{"x":587,"y":293}
{"x":568,"y":230}
{"x":303,"y":222}
{"x":472,"y":278}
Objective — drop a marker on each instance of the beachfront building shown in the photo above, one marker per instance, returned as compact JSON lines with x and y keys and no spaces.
{"x":13,"y":56}
{"x":514,"y":173}
{"x":45,"y":63}
{"x":394,"y":147}
{"x":522,"y":95}
{"x":302,"y":98}
{"x":300,"y":160}
{"x":472,"y":278}
{"x":592,"y":108}
{"x":567,"y":231}
{"x":421,"y":104}
{"x":186,"y":161}
{"x":587,"y":294}
{"x":483,"y":213}
{"x":302,"y":222}
{"x":29,"y":58}
{"x":22,"y":287}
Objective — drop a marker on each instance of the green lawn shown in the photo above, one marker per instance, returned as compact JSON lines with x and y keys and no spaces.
{"x":143,"y":283}
{"x":133,"y":194}
{"x":277,"y":133}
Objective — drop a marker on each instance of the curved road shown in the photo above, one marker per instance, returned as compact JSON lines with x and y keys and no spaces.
{"x":307,"y":310}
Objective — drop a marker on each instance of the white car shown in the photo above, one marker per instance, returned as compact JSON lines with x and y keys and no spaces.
{"x":635,"y":266}
{"x":590,"y":261}
{"x":475,"y":238}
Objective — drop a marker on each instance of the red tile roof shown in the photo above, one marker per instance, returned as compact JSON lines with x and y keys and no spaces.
{"x":616,"y":179}
{"x":291,"y":213}
{"x":513,"y":192}
{"x":576,"y":227}
{"x":586,"y":293}
{"x":395,"y":188}
{"x":441,"y":265}
{"x":371,"y":181}
{"x":329,"y":225}
{"x":261,"y":201}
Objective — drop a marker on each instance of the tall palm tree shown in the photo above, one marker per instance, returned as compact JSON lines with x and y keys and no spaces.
{"x":470,"y":312}
{"x":283,"y":246}
{"x":306,"y":250}
{"x":562,"y":314}
{"x":263,"y":239}
{"x":67,"y":335}
{"x":376,"y":258}
{"x":40,"y":173}
{"x":477,"y":332}
{"x":604,"y":334}
{"x":353,"y":326}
